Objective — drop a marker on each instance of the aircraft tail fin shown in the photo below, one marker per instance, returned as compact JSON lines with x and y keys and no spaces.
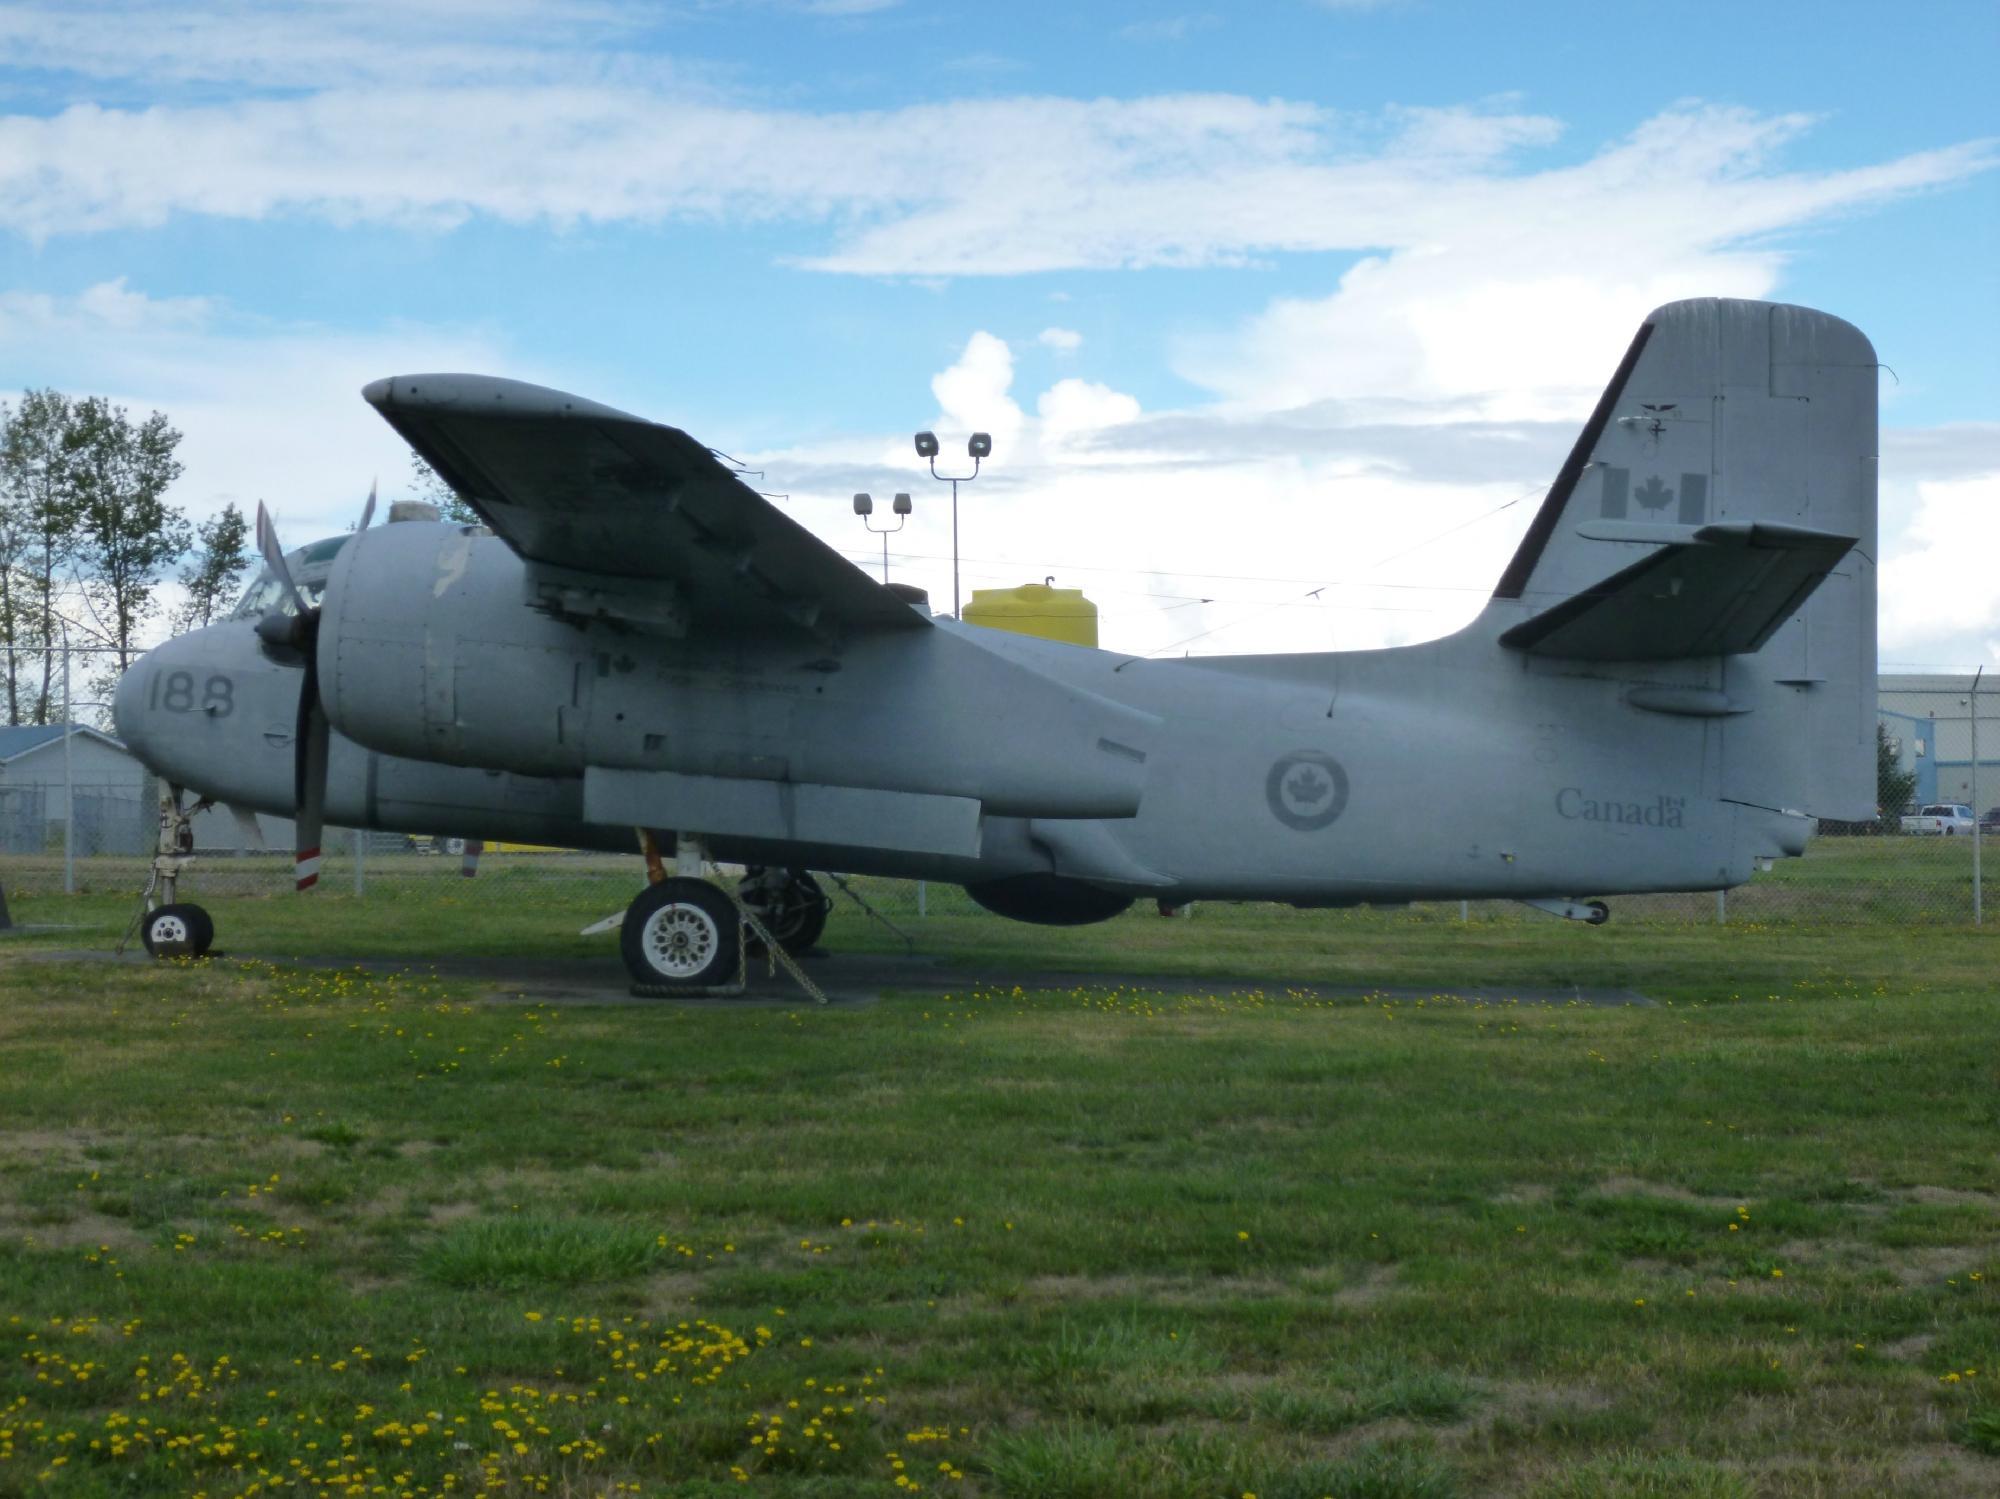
{"x":1719,"y":507}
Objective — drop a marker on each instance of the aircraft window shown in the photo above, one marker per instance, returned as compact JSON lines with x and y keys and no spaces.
{"x":267,"y":593}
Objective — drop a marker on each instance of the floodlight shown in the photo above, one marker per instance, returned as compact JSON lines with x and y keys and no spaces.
{"x":902,"y":504}
{"x":927,"y":445}
{"x":981,"y":446}
{"x":863,"y":505}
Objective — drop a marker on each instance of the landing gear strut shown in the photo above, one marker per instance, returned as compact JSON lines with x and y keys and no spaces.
{"x":170,"y":927}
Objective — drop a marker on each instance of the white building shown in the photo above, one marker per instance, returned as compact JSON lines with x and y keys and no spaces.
{"x":40,"y":775}
{"x":117,"y":810}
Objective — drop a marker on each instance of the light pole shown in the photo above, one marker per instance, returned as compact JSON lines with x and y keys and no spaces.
{"x":864,"y":507}
{"x":981,"y":446}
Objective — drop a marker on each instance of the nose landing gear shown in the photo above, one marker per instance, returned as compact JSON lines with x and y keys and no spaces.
{"x":170,"y":927}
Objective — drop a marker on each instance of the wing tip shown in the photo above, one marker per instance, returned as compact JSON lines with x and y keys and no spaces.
{"x":490,"y":394}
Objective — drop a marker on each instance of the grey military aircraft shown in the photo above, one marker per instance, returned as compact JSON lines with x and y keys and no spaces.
{"x":1674,"y":675}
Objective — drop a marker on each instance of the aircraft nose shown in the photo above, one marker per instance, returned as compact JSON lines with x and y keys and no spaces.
{"x":128,"y":703}
{"x":211,"y":711}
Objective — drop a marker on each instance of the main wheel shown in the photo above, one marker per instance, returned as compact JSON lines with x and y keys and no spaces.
{"x":1599,"y":913}
{"x":790,"y":903}
{"x":177,"y":931}
{"x":680,"y":933}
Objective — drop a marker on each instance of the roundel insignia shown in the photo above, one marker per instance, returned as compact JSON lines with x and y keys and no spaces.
{"x":1307,"y":790}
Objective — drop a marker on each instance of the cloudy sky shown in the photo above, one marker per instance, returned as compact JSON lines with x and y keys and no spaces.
{"x":1281,"y":315}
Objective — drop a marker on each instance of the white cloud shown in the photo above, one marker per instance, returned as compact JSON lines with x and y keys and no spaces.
{"x":1168,"y":28}
{"x":1939,"y":594}
{"x":969,"y":187}
{"x":1072,"y":407}
{"x":1062,"y":340}
{"x":1514,"y":300}
{"x":264,"y":46}
{"x":267,"y":412}
{"x":1193,"y":531}
{"x":972,"y":393}
{"x":1229,"y":530}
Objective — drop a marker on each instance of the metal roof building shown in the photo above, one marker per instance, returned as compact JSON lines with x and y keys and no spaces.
{"x":1929,"y":720}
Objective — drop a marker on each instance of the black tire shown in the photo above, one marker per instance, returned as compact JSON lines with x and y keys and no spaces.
{"x":1599,"y":913}
{"x":796,"y":915}
{"x":177,"y":931}
{"x":680,"y":934}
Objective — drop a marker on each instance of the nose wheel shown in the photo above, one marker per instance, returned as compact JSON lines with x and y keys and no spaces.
{"x":180,"y":930}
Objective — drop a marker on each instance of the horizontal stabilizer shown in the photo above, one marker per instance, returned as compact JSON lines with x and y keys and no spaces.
{"x":1724,"y":591}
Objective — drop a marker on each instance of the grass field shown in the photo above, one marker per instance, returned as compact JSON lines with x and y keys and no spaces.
{"x":270,"y":1229}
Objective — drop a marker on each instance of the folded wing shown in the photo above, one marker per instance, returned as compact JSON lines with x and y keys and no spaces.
{"x":597,"y":496}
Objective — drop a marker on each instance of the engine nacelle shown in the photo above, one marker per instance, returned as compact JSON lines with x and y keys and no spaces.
{"x":426,"y":651}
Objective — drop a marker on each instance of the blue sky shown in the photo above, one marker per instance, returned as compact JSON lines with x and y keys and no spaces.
{"x":1254,"y":299}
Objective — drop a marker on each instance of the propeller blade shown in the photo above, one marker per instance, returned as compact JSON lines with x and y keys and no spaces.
{"x":309,"y":774}
{"x":310,"y":824}
{"x":274,"y":557}
{"x":469,"y":866}
{"x":367,"y":510}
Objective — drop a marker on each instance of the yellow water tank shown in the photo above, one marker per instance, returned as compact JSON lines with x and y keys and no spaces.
{"x":1036,"y":609}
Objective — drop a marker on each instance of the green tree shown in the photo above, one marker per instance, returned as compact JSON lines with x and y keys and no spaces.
{"x":13,"y":543}
{"x":1895,"y":787}
{"x":431,"y":488}
{"x":127,"y":534}
{"x":221,"y":553}
{"x":38,"y":484}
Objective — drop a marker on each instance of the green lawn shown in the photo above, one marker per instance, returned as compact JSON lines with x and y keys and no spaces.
{"x":266,"y":1228}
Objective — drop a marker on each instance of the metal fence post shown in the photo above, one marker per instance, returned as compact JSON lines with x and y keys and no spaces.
{"x":1722,"y":908}
{"x":1978,"y":893}
{"x":360,"y":848}
{"x":920,"y":898}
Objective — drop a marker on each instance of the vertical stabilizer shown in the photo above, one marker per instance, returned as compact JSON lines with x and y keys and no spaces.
{"x":1726,"y":467}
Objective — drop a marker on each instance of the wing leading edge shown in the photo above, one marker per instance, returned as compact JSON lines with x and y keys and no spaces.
{"x":583,"y":488}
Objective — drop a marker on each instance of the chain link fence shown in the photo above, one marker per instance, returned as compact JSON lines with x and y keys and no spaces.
{"x":1865,"y":877}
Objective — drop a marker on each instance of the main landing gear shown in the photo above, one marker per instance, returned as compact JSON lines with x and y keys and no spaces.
{"x":789,"y":902}
{"x":170,"y":927}
{"x":684,"y":935}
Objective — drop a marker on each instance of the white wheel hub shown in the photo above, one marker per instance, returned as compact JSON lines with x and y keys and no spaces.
{"x":680,"y":940}
{"x":168,"y":930}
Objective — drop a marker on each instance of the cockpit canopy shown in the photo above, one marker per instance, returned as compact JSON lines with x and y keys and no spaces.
{"x":310,"y":565}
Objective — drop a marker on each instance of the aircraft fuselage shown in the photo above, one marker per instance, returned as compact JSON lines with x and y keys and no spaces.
{"x":1448,"y":769}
